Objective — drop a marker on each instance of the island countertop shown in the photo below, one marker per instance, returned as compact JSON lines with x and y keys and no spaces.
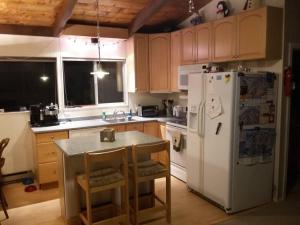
{"x":80,"y":145}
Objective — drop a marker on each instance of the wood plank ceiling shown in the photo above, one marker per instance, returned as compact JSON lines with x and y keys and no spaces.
{"x":49,"y":17}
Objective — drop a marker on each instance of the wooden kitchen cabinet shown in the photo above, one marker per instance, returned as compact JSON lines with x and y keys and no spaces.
{"x":203,"y":42}
{"x":137,"y":63}
{"x":175,"y":59}
{"x":151,"y":128}
{"x":159,"y":62}
{"x":188,"y":46}
{"x":118,"y":128}
{"x":162,"y":132}
{"x":259,"y":34}
{"x":135,"y":127}
{"x":255,"y":34}
{"x":224,"y":39}
{"x":45,"y":155}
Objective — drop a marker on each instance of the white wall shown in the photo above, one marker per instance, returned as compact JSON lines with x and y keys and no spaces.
{"x":18,"y":153}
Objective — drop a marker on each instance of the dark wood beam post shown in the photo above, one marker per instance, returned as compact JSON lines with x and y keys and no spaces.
{"x":145,"y":14}
{"x":63,"y":16}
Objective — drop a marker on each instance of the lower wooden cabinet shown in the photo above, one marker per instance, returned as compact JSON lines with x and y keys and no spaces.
{"x":119,"y":128}
{"x":47,"y":172}
{"x":135,"y":127}
{"x":45,"y":155}
{"x":162,"y":134}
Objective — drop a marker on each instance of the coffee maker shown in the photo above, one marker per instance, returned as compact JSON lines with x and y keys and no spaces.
{"x":41,"y":115}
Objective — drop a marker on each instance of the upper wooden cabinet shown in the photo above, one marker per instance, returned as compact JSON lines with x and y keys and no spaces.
{"x":255,"y":34}
{"x":175,"y":59}
{"x":196,"y":44}
{"x":259,"y":34}
{"x":203,"y":42}
{"x":137,"y":63}
{"x":224,"y":39}
{"x":188,"y":46}
{"x":159,"y":62}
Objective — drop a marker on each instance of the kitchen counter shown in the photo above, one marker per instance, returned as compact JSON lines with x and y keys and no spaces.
{"x":80,"y":145}
{"x":72,"y":125}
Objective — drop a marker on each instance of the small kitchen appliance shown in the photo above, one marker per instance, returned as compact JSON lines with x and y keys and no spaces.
{"x":184,"y":71}
{"x":41,"y":115}
{"x":148,"y":111}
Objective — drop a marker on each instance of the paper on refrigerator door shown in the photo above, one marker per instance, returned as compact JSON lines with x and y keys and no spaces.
{"x":213,"y":106}
{"x":256,"y":146}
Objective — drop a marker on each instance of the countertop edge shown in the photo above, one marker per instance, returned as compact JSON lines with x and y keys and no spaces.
{"x":84,"y":125}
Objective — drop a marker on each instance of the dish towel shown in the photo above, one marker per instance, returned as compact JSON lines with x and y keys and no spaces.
{"x":176,"y":140}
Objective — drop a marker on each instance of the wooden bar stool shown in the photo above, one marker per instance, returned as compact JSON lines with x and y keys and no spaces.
{"x":107,"y":179}
{"x":148,"y":171}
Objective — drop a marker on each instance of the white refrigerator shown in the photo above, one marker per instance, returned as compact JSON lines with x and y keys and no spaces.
{"x":230,"y":138}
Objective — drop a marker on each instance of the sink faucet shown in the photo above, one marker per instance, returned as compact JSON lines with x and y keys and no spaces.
{"x":116,"y":112}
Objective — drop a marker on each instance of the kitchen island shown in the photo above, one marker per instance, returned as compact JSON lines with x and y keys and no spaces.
{"x":70,"y":164}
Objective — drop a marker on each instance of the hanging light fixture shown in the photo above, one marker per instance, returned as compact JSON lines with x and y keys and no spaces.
{"x":99,"y":71}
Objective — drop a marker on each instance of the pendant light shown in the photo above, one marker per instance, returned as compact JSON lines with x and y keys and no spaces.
{"x":99,"y":71}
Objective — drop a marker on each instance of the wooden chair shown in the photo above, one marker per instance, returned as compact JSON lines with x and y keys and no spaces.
{"x":2,"y":196}
{"x":3,"y":144}
{"x":107,"y":179}
{"x":148,"y":171}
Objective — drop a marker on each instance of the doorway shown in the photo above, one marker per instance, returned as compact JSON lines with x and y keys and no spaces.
{"x":293,"y":172}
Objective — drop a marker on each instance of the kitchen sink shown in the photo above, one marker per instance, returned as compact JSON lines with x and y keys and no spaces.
{"x":118,"y":120}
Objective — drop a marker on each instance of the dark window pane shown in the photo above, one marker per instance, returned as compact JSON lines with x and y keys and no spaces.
{"x":110,"y":88}
{"x":25,"y":83}
{"x":79,"y":83}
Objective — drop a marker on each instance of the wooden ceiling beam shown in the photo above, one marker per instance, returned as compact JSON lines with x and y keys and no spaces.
{"x":25,"y":30}
{"x":91,"y":31}
{"x":145,"y":14}
{"x":63,"y":16}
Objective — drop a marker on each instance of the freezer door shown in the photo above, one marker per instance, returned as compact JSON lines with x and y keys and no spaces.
{"x":194,"y":155}
{"x":253,"y":166}
{"x":218,"y":137}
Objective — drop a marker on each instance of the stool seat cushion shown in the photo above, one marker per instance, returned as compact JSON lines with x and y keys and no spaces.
{"x":150,"y":167}
{"x":103,"y":177}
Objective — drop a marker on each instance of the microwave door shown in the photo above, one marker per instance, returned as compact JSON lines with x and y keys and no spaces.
{"x":183,"y":81}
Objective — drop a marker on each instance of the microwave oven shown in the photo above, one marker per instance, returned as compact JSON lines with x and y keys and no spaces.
{"x":184,"y":71}
{"x":148,"y":111}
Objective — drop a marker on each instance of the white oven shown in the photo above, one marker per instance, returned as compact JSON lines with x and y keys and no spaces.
{"x":178,"y":158}
{"x":184,"y":71}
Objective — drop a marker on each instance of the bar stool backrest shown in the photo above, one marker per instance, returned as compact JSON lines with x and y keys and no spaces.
{"x":109,"y":157}
{"x":149,"y":149}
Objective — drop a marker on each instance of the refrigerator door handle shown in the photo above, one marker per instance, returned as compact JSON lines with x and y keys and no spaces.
{"x":200,"y":118}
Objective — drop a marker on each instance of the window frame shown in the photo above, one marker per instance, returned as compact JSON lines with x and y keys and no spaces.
{"x":97,"y":105}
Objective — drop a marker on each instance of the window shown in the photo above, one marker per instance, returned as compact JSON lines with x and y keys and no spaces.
{"x":83,"y":89}
{"x":110,"y":88}
{"x":24,"y":83}
{"x":79,"y":84}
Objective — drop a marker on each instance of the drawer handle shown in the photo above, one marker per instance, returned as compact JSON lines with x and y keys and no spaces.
{"x":52,"y":137}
